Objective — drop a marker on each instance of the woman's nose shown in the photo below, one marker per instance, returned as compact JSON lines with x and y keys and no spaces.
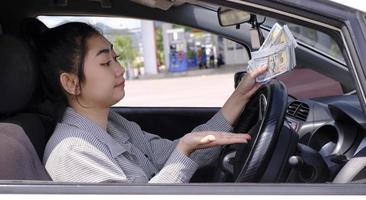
{"x":120,"y":70}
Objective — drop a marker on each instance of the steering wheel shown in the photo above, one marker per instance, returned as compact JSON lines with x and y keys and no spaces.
{"x":262,"y":118}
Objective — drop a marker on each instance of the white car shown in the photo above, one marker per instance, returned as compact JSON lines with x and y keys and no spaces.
{"x":308,"y":126}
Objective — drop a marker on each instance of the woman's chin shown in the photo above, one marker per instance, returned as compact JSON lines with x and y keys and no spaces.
{"x":119,"y":97}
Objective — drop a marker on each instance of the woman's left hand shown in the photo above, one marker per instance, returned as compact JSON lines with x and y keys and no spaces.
{"x":248,"y":86}
{"x":241,"y":96}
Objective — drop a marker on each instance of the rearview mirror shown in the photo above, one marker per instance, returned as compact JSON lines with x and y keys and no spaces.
{"x":229,"y":17}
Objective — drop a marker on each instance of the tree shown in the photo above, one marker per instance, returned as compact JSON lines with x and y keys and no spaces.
{"x":127,"y":54}
{"x":159,"y":45}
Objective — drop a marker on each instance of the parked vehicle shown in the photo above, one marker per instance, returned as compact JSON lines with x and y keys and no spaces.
{"x":308,"y":126}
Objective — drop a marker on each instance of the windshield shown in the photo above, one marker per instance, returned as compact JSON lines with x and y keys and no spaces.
{"x":309,"y":81}
{"x":313,"y":38}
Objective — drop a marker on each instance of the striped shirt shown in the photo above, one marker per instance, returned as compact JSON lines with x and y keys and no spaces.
{"x":81,"y":151}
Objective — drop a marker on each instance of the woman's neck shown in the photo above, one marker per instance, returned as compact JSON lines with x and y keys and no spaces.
{"x":97,"y":115}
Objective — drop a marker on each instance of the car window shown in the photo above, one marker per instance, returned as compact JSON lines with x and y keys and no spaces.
{"x":304,"y":82}
{"x":194,"y":68}
{"x":313,"y":38}
{"x":190,"y":67}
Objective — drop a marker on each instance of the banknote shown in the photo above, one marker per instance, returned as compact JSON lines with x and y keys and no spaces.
{"x":272,"y":36}
{"x":276,"y":59}
{"x":277,"y":53}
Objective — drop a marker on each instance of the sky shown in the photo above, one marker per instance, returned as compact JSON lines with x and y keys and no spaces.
{"x":358,"y":4}
{"x":120,"y":23}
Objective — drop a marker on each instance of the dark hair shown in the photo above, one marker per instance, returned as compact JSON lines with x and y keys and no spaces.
{"x":63,"y":49}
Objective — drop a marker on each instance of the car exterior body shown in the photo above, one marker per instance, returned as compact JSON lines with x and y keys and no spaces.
{"x":331,"y":117}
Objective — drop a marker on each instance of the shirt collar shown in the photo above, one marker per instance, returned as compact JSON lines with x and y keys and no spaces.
{"x":73,"y":118}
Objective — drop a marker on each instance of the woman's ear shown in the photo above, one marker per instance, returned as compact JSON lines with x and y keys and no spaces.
{"x":70,"y":83}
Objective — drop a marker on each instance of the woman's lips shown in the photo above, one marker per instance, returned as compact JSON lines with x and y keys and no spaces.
{"x":119,"y":84}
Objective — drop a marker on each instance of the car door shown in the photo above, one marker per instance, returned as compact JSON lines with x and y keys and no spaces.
{"x":168,"y":122}
{"x":313,"y":13}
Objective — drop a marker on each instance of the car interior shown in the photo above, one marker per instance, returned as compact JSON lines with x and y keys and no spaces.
{"x":310,"y":140}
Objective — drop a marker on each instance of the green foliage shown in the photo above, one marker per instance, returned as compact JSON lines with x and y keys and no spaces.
{"x":191,"y":54}
{"x":123,"y":47}
{"x":159,"y":44}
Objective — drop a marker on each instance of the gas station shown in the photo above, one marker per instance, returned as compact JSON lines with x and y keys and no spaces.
{"x":188,"y":48}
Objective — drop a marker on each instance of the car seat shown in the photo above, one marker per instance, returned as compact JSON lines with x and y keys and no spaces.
{"x":22,"y":133}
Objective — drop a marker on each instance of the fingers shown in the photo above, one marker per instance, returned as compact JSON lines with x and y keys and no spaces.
{"x":233,"y":138}
{"x":207,"y":139}
{"x":226,"y":135}
{"x":248,"y":85}
{"x":253,"y":90}
{"x":260,"y":70}
{"x":222,"y":138}
{"x":249,"y":79}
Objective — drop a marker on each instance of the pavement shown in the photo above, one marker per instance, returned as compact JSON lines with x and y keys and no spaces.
{"x":224,"y":69}
{"x":193,"y":88}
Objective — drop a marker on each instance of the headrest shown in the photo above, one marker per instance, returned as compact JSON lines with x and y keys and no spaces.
{"x":32,"y":29}
{"x":17,"y":74}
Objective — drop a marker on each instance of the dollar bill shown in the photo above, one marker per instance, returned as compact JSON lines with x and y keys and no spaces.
{"x":275,"y":59}
{"x":293,"y":44}
{"x":277,"y":53}
{"x":271,"y":37}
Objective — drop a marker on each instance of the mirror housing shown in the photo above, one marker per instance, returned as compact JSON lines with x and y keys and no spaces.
{"x":229,"y":17}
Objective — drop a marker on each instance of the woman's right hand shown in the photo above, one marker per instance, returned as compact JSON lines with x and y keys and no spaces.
{"x":205,"y":139}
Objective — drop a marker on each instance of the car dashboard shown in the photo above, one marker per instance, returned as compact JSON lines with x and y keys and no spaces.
{"x":332,"y":126}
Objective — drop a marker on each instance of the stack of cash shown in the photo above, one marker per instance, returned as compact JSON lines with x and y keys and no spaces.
{"x":277,"y":53}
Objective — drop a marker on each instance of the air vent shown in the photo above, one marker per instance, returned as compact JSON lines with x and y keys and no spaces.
{"x":298,"y":110}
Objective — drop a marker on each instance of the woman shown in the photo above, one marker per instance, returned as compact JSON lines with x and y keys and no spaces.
{"x":92,"y":143}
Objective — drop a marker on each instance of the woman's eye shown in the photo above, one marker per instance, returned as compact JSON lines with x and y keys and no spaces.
{"x":106,"y":64}
{"x":116,"y":57}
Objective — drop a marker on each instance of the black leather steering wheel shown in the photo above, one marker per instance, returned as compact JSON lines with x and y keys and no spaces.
{"x":263,"y":119}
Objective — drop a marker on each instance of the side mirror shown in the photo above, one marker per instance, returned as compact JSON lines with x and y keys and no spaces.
{"x":229,"y":17}
{"x":237,"y":78}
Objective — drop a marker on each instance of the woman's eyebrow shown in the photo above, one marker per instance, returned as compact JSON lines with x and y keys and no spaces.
{"x":104,"y":51}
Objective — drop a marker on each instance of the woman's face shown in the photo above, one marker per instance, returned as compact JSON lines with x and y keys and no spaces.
{"x":104,"y":83}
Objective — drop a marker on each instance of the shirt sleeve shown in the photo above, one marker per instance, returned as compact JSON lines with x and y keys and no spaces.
{"x":82,"y":162}
{"x":178,"y":169}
